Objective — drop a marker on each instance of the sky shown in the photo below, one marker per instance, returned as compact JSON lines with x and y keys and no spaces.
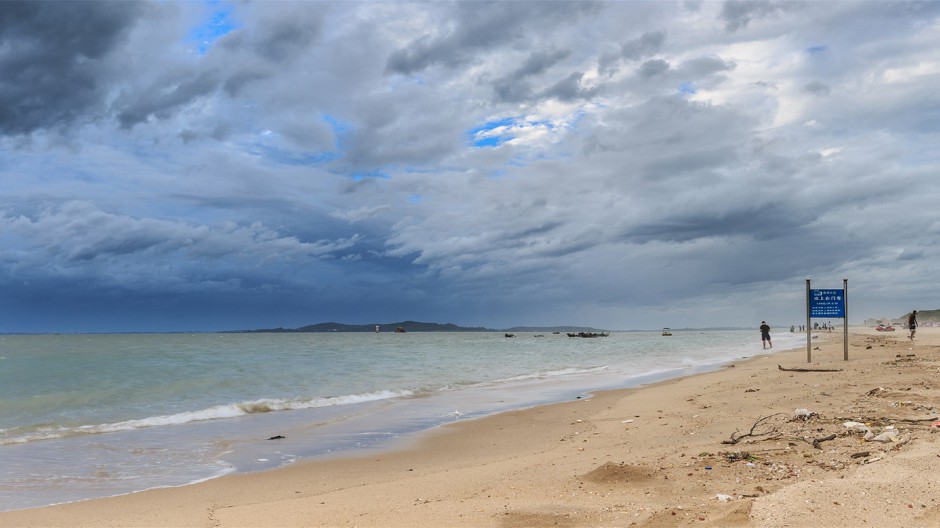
{"x":206,"y":166}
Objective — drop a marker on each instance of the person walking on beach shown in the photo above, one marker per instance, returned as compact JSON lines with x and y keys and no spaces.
{"x":765,"y":334}
{"x":912,"y":323}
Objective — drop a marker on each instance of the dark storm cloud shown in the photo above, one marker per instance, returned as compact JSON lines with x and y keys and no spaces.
{"x":569,"y":88}
{"x":53,"y":60}
{"x":644,"y":46}
{"x":705,"y":66}
{"x":515,"y":86}
{"x":538,"y":62}
{"x":165,"y":97}
{"x":498,"y":163}
{"x":737,"y":14}
{"x":817,"y":88}
{"x":481,"y":26}
{"x":78,"y":231}
{"x":653,"y":67}
{"x":757,"y":221}
{"x":275,"y":38}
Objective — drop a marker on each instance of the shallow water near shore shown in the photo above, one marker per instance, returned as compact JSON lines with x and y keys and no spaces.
{"x":87,"y":416}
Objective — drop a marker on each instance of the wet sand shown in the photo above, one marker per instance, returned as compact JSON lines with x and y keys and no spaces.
{"x":750,"y":445}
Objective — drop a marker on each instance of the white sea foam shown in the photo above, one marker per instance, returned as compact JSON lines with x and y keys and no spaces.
{"x":548,"y":374}
{"x":216,"y":412}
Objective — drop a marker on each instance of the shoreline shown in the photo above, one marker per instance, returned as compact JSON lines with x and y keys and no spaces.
{"x":649,"y":455}
{"x":140,"y":457}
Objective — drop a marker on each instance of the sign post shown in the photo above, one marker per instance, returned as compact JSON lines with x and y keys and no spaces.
{"x":831,"y":304}
{"x":845,"y":321}
{"x":809,"y":331}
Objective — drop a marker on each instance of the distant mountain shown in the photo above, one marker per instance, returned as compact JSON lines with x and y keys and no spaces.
{"x":408,"y":326}
{"x":417,"y":326}
{"x":924,"y":318}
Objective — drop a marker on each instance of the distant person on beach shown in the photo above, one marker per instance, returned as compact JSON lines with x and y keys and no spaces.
{"x":912,"y":323}
{"x":765,"y":334}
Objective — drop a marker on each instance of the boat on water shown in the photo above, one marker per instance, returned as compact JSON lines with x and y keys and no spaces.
{"x":666,"y":332}
{"x":510,"y":335}
{"x":400,"y":330}
{"x":588,"y":334}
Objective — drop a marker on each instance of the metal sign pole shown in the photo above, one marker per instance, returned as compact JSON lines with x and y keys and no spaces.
{"x":809,"y":353}
{"x":845,"y":320}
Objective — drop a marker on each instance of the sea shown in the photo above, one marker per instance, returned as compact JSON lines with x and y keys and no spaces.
{"x":90,"y":416}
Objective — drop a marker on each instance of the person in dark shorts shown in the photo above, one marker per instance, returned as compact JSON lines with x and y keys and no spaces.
{"x":765,"y":334}
{"x":912,"y":323}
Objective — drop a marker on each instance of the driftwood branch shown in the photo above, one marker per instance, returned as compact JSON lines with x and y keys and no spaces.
{"x":807,"y":370}
{"x":735,"y":437}
{"x":818,"y":441}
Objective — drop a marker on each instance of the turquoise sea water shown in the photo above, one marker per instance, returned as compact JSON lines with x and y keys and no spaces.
{"x":86,"y":416}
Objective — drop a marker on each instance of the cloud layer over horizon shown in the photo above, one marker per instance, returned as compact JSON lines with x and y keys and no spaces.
{"x":206,"y":166}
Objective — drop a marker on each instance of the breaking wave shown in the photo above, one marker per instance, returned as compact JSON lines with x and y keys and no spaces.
{"x":217,"y":412}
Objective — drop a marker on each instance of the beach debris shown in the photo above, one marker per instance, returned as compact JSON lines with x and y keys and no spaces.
{"x":721,"y":497}
{"x":818,"y":441}
{"x":734,"y":456}
{"x":761,"y":421}
{"x":803,"y":414}
{"x":277,"y":437}
{"x":885,"y":437}
{"x":807,"y":369}
{"x":894,"y":420}
{"x":861,"y":454}
{"x":856,"y":427}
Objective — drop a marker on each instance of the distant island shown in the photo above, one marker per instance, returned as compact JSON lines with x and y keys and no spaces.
{"x":417,"y":326}
{"x":924,"y":318}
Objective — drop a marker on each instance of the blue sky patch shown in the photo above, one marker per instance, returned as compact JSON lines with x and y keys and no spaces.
{"x":376,"y":174}
{"x":487,"y":135}
{"x":219,"y":23}
{"x":687,"y":88}
{"x":340,"y":129}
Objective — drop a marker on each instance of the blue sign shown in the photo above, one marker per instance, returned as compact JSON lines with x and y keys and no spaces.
{"x":827,"y":303}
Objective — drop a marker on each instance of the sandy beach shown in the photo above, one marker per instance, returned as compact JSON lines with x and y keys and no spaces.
{"x":837,"y":443}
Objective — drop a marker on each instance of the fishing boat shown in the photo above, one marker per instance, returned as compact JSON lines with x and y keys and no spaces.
{"x":666,"y":332}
